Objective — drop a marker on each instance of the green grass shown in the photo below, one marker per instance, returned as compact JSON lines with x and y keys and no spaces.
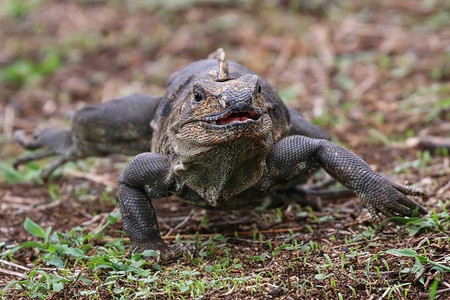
{"x":10,"y":175}
{"x":71,"y":259}
{"x":17,"y":9}
{"x":24,"y":70}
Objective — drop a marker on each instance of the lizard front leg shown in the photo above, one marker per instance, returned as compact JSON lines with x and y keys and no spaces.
{"x":146,"y":176}
{"x":295,"y":157}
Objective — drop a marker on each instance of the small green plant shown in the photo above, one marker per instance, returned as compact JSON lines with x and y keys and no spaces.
{"x":24,"y":70}
{"x":415,"y":225}
{"x":442,"y":105}
{"x":260,"y":258}
{"x":10,"y":175}
{"x":419,"y":260}
{"x":18,"y":8}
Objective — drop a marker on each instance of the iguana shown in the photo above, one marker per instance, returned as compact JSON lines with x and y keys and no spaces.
{"x":222,"y":138}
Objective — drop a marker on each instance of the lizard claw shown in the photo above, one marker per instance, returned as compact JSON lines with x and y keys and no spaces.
{"x":390,"y":199}
{"x":165,"y":253}
{"x":175,"y":251}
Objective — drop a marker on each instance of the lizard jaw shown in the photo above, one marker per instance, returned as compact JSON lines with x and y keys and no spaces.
{"x":234,"y":117}
{"x":238,"y":117}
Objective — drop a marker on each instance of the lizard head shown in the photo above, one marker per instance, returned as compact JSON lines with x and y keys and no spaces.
{"x":219,"y":108}
{"x":218,"y":111}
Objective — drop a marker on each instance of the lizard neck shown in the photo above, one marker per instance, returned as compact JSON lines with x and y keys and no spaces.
{"x":220,"y":172}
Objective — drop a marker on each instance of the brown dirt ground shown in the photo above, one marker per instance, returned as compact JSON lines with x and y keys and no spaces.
{"x":310,"y":55}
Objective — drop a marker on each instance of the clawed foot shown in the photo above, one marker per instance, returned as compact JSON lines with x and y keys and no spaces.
{"x":53,"y":142}
{"x":166,"y":253}
{"x":174,"y":251}
{"x":390,"y":199}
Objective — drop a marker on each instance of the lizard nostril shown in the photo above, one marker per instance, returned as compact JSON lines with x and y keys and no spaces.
{"x":249,"y":98}
{"x":241,"y":106}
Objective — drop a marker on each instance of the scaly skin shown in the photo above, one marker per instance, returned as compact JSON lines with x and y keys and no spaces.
{"x":118,"y":126}
{"x":220,"y":138}
{"x":205,"y":159}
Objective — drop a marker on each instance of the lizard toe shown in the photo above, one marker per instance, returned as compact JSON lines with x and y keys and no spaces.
{"x":374,"y":213}
{"x":411,"y":204}
{"x":408,"y":190}
{"x":174,"y":251}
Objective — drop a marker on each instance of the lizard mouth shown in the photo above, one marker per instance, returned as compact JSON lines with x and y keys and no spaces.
{"x":234,"y":117}
{"x":238,"y":117}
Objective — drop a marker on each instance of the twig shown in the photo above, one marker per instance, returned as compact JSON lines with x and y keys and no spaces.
{"x":11,"y":264}
{"x":42,"y":207}
{"x":357,"y":222}
{"x":19,"y":207}
{"x":443,"y":189}
{"x":92,"y":177}
{"x":172,"y":219}
{"x":229,"y":292}
{"x":12,"y":273}
{"x":427,"y":295}
{"x":181,"y":224}
{"x":384,"y":272}
{"x":364,"y":86}
{"x":385,"y":293}
{"x":17,"y":200}
{"x":429,"y":142}
{"x":102,"y":217}
{"x":8,"y":120}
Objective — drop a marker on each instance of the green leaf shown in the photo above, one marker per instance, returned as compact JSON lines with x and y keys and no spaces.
{"x":31,"y":244}
{"x":150,"y":252}
{"x":12,"y":283}
{"x":402,"y":252}
{"x":58,"y":286}
{"x":441,"y":105}
{"x":433,"y":288}
{"x":33,"y":228}
{"x":53,"y":260}
{"x":85,"y":280}
{"x":209,"y":268}
{"x":321,"y":276}
{"x":440,"y":267}
{"x":18,"y":72}
{"x":405,"y":270}
{"x":75,"y":252}
{"x":47,"y":233}
{"x":50,"y":64}
{"x":281,"y":247}
{"x":113,"y":217}
{"x":259,"y":257}
{"x":418,"y":268}
{"x":157,"y":266}
{"x":184,"y":288}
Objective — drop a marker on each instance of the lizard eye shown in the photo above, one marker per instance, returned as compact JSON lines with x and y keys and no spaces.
{"x":199,"y":95}
{"x":258,"y":88}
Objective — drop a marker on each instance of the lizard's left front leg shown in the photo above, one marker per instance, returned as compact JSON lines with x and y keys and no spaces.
{"x":146,"y":176}
{"x":295,"y":157}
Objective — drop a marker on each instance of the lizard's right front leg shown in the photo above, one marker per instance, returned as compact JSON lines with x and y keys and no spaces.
{"x":146,"y":176}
